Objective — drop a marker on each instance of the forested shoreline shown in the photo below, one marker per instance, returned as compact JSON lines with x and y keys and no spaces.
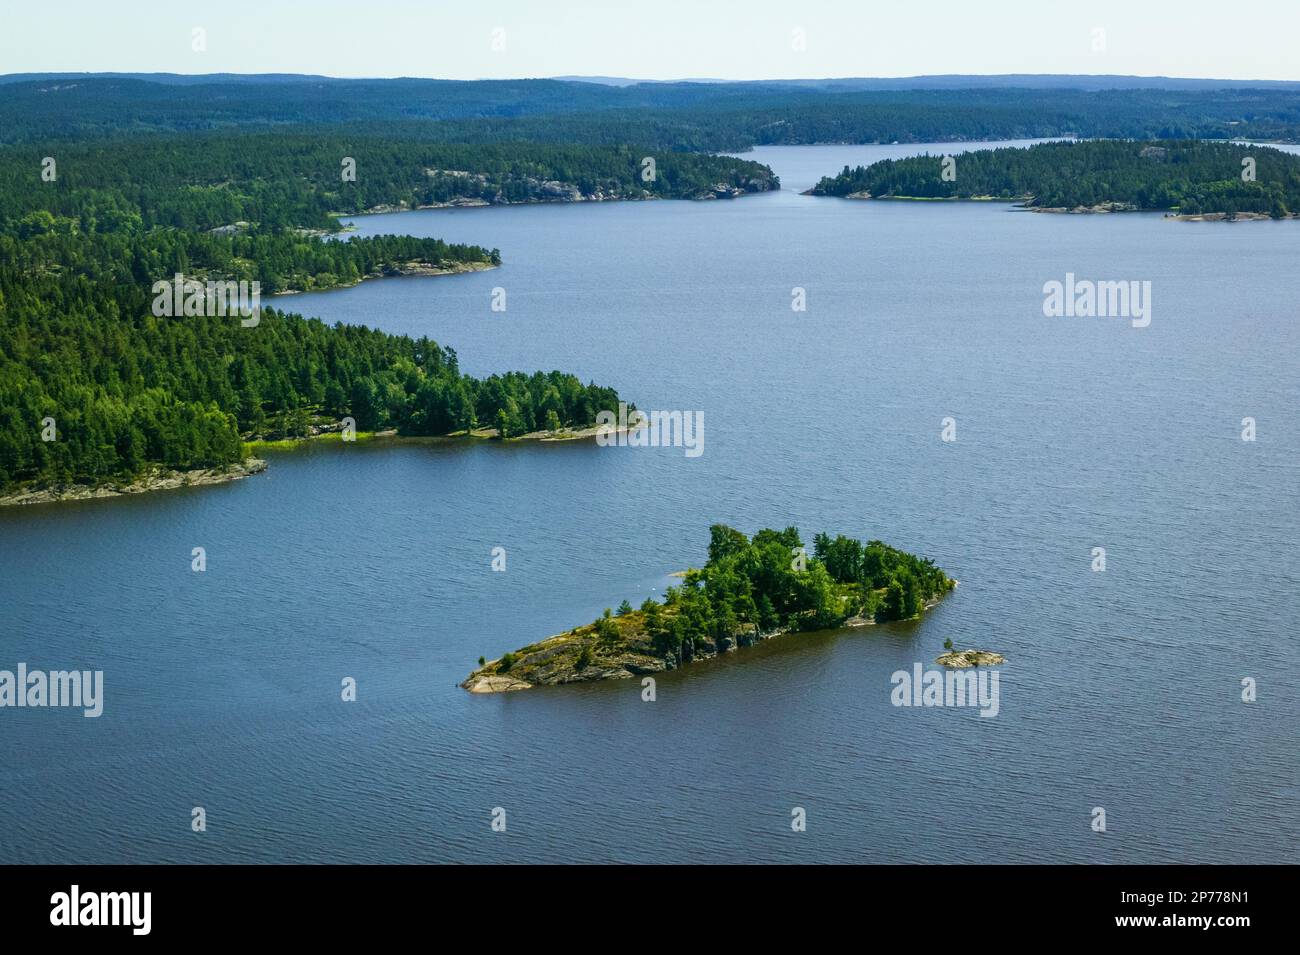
{"x":96,"y":387}
{"x":295,"y":180}
{"x":1190,"y":178}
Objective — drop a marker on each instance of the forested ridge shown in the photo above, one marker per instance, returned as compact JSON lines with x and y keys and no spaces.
{"x":672,"y":116}
{"x":1189,"y":177}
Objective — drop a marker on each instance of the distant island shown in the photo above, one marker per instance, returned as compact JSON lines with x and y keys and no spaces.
{"x":1189,"y":178}
{"x":749,"y":590}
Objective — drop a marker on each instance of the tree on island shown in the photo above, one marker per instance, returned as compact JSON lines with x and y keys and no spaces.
{"x":606,"y":629}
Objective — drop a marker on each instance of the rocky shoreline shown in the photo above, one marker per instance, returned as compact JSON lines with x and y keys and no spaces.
{"x":1100,"y":208}
{"x":862,"y":196}
{"x":1229,"y":217}
{"x":163,"y":479}
{"x":580,"y":656}
{"x":554,"y":191}
{"x":552,"y":663}
{"x":332,"y":431}
{"x":160,"y":479}
{"x":406,"y":268}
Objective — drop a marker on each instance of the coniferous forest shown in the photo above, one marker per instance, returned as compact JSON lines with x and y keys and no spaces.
{"x":669,"y":116}
{"x":82,"y":244}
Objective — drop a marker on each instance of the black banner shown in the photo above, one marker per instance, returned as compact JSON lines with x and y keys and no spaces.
{"x":183,"y":903}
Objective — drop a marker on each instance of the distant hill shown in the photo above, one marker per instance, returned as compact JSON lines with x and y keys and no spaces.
{"x":625,"y":81}
{"x":1037,"y":81}
{"x":682,"y":115}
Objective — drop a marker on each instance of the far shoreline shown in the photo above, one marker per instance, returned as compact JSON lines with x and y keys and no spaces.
{"x":1102,"y":208}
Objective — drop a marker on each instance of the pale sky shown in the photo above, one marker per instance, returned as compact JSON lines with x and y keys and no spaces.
{"x":656,"y":39}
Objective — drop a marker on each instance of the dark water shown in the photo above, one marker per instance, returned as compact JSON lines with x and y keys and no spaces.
{"x":1122,"y":688}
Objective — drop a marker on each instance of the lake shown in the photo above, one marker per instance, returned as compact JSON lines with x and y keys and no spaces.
{"x":1122,"y":689}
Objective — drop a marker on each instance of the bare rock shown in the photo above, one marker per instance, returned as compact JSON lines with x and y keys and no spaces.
{"x":962,"y":659}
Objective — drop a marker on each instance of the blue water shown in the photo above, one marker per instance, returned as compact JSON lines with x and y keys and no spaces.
{"x":1122,"y":689}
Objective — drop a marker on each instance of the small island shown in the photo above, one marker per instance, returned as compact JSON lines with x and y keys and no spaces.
{"x":964,"y":659}
{"x":749,"y":590}
{"x":1190,"y":179}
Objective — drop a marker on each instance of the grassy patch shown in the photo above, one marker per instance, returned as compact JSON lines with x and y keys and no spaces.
{"x":288,"y":444}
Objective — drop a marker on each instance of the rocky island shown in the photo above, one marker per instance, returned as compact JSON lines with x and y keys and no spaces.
{"x":751,"y":589}
{"x":964,"y":659}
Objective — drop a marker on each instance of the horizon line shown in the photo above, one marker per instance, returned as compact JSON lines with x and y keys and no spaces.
{"x":605,"y":79}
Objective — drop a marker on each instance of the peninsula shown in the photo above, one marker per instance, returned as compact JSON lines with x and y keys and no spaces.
{"x":104,"y":390}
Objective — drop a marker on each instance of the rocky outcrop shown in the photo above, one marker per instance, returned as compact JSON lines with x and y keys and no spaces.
{"x":477,"y":189}
{"x":577,"y":657}
{"x":235,"y":228}
{"x":431,"y":268}
{"x":584,"y":655}
{"x":495,"y":683}
{"x":1229,"y":217}
{"x":393,"y":270}
{"x":963,"y":659}
{"x":1099,"y":208}
{"x":722,"y":190}
{"x":158,"y":480}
